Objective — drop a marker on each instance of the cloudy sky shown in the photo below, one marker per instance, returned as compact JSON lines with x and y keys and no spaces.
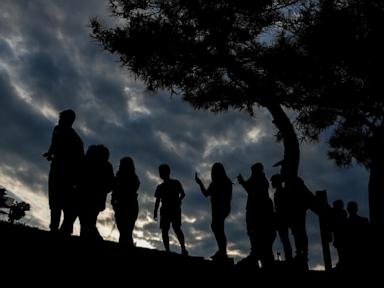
{"x":49,"y":63}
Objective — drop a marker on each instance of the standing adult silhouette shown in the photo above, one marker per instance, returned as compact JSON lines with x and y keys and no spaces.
{"x":96,"y":182}
{"x":170,"y":193}
{"x":66,"y":154}
{"x":124,"y":200}
{"x":220,"y":191}
{"x":259,"y":215}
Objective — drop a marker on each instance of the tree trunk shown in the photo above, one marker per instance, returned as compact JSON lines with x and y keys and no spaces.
{"x":290,"y":164}
{"x":376,"y":179}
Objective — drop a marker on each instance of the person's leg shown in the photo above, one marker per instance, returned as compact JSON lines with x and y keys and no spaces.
{"x":55,"y":219}
{"x":84,"y":223}
{"x":131,"y":224}
{"x":301,"y":241}
{"x":284,"y":238}
{"x":176,"y":225}
{"x":121,"y":226}
{"x":180,"y":236}
{"x":88,"y":231}
{"x":218,"y":230}
{"x":252,"y":235}
{"x":55,"y":204}
{"x":95,"y":231}
{"x":341,"y":256}
{"x":69,"y":219}
{"x":266,"y":251}
{"x":164,"y":234}
{"x":165,"y":224}
{"x":255,"y":251}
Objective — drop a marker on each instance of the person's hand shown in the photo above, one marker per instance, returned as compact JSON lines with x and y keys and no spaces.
{"x":197,"y":179}
{"x":155,"y":215}
{"x":47,"y":156}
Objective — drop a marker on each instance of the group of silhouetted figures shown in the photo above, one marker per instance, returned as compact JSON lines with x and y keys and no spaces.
{"x":79,"y":183}
{"x":352,"y":236}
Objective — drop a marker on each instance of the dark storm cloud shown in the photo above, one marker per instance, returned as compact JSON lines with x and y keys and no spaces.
{"x":20,"y":148}
{"x":49,"y":63}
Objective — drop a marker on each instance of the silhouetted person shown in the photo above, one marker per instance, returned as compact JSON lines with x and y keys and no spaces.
{"x":220,"y":191}
{"x":338,"y":226}
{"x":259,"y":215}
{"x":170,"y":193}
{"x":66,"y":154}
{"x":282,"y":214}
{"x":358,"y":232}
{"x":301,"y":199}
{"x":96,"y":182}
{"x":124,"y":200}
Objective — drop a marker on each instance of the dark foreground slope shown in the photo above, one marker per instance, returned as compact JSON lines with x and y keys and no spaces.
{"x":29,"y":254}
{"x":36,"y":252}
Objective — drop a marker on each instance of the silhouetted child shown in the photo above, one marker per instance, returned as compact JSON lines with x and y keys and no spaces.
{"x":282,"y":207}
{"x":66,"y":154}
{"x":170,"y":193}
{"x":220,"y":191}
{"x":96,"y":182}
{"x":124,"y":200}
{"x":259,"y":215}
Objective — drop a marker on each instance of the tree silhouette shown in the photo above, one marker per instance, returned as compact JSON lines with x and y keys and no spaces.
{"x":16,"y":209}
{"x":214,"y":53}
{"x":338,"y":53}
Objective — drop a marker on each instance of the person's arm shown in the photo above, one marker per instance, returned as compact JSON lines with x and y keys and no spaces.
{"x":157,"y":203}
{"x":242,"y":182}
{"x":202,"y":187}
{"x":52,"y":147}
{"x":109,"y":178}
{"x":181,"y":192}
